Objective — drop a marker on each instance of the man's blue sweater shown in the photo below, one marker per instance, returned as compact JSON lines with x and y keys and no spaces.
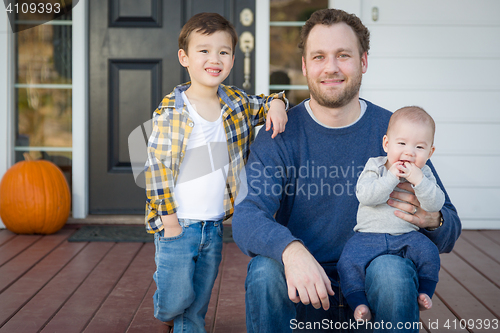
{"x":307,"y":177}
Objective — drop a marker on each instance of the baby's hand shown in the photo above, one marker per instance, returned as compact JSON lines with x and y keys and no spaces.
{"x":395,"y":169}
{"x":276,"y":117}
{"x":412,"y":173}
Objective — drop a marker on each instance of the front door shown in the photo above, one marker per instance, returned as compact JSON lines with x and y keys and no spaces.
{"x":133,"y":64}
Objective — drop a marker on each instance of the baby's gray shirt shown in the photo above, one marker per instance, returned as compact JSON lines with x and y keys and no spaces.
{"x":374,"y":186}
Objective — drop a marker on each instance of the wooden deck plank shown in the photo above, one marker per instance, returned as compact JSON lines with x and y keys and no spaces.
{"x":80,"y":308}
{"x":463,"y":303}
{"x":232,"y":292}
{"x":483,"y":289}
{"x":6,"y":236}
{"x":214,"y":298}
{"x":23,"y":262}
{"x":12,"y":249}
{"x":144,"y":320}
{"x":24,"y":288}
{"x":116,"y":294}
{"x":488,"y":267}
{"x":435,"y":318}
{"x":485,"y":244}
{"x":42,"y":307}
{"x":492,"y":234}
{"x":118,"y":310}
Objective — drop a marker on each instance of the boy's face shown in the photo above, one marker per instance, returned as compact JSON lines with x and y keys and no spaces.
{"x":408,"y":142}
{"x":210,"y":58}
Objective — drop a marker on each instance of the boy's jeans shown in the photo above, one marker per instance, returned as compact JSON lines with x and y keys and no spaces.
{"x":391,"y":286}
{"x":186,"y":268}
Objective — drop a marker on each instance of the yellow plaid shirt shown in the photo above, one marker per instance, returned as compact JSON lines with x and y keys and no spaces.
{"x":167,"y":144}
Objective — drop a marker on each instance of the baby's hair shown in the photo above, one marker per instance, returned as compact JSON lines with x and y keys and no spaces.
{"x":207,"y":24}
{"x":414,"y":114}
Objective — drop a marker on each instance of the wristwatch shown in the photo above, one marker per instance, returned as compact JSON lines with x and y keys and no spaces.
{"x":440,"y":223}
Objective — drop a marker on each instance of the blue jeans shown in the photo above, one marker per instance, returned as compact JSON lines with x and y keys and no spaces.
{"x":391,"y":282}
{"x":186,"y":269}
{"x":363,"y":247}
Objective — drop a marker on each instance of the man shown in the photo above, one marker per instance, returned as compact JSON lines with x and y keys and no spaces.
{"x":301,"y":207}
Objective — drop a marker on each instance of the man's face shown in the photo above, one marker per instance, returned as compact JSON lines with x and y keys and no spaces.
{"x":332,"y":65}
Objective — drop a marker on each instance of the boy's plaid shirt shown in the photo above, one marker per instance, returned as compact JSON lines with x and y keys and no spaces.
{"x":167,"y":144}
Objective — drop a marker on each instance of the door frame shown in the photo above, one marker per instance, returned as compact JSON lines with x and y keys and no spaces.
{"x":80,"y":105}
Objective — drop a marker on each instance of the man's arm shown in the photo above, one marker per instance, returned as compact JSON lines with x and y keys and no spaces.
{"x":256,"y":231}
{"x":446,"y":220}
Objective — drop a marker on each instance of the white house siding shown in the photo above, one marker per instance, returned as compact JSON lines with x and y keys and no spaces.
{"x":4,"y":94}
{"x":445,"y":56}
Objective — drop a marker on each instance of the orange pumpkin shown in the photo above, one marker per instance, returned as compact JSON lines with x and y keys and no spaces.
{"x":34,"y":198}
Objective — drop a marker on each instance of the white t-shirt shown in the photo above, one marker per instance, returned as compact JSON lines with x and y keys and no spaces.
{"x":362,"y":104}
{"x":199,"y":191}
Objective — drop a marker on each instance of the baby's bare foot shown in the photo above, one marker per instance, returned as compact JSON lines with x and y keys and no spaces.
{"x":424,"y":302}
{"x":362,"y":313}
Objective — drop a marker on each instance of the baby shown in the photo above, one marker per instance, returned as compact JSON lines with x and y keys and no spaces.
{"x":409,"y":143}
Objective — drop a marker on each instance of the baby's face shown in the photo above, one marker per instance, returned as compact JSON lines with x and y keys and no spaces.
{"x":408,"y":142}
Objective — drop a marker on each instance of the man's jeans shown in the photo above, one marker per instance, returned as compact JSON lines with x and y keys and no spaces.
{"x":391,"y":287}
{"x":186,"y":268}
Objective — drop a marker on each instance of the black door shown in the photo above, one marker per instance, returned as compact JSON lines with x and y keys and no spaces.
{"x":133,"y":64}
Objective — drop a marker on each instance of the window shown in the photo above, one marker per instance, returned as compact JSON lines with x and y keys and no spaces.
{"x":287,"y":18}
{"x":43,"y":90}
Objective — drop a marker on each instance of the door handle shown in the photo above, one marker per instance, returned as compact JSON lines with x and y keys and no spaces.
{"x":246,"y":46}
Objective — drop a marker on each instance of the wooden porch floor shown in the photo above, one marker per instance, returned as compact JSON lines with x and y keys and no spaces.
{"x":48,"y":284}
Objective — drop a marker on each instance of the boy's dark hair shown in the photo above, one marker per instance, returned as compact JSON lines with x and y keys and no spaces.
{"x":207,"y":24}
{"x":329,"y":17}
{"x":414,"y":114}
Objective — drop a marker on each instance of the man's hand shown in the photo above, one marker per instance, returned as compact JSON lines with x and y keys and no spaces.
{"x":306,"y":280}
{"x":276,"y":117}
{"x":410,"y":211}
{"x":171,"y":225}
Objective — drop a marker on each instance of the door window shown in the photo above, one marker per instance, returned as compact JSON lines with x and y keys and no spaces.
{"x":43,"y":90}
{"x":286,"y":19}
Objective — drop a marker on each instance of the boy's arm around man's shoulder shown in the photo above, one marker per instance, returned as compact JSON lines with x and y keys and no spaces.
{"x":256,"y":106}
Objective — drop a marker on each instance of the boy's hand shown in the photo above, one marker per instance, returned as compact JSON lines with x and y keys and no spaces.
{"x":411,"y":172}
{"x":276,"y":117}
{"x":171,"y":225}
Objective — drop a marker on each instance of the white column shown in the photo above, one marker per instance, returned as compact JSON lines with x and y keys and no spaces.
{"x":80,"y":110}
{"x":262,"y":18}
{"x":6,"y":90}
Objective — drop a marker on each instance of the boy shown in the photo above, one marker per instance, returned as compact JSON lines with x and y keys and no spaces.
{"x":408,"y":144}
{"x":195,"y":127}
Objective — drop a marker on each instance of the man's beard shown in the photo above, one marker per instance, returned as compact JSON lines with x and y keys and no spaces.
{"x":335,"y":100}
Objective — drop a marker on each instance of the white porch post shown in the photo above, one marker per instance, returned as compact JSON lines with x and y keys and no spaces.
{"x":80,"y":110}
{"x":262,"y":17}
{"x":6,"y":91}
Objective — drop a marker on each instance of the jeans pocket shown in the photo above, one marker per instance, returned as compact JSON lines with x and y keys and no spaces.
{"x":220,"y":229}
{"x":161,"y":238}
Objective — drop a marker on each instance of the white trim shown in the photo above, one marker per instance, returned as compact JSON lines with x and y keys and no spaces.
{"x":80,"y":110}
{"x":5,"y":96}
{"x":30,"y":148}
{"x":262,"y":18}
{"x":53,"y":22}
{"x":43,"y":85}
{"x":350,"y":6}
